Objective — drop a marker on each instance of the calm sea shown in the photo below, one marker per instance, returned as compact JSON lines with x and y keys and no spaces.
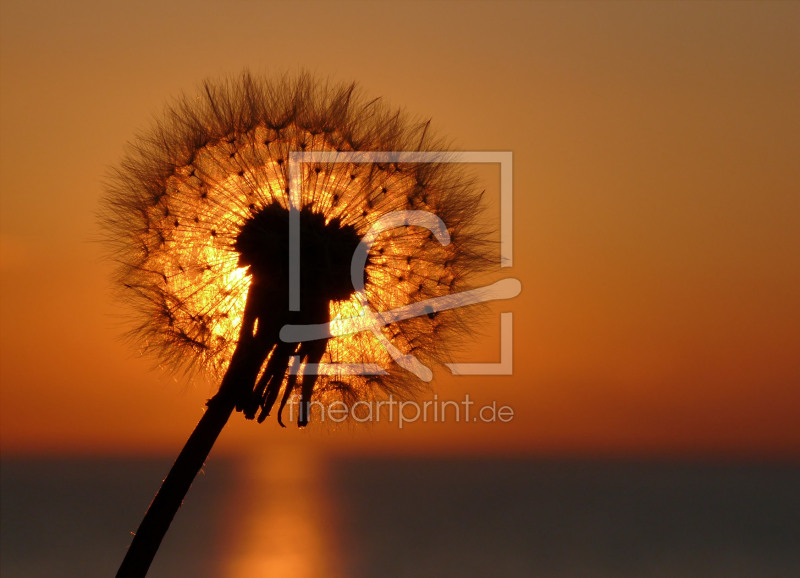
{"x":289,"y":514}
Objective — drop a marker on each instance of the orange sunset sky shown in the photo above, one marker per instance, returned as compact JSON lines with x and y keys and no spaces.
{"x":656,"y":210}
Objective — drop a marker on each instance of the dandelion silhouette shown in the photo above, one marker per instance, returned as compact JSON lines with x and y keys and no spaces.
{"x":198,"y":214}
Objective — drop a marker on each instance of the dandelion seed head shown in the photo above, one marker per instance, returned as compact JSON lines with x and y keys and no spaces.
{"x":197,"y":216}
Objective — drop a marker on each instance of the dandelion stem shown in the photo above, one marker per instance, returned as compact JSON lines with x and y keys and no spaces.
{"x":162,"y":510}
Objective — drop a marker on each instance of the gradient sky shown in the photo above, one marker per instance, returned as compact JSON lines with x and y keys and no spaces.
{"x":655,"y":192}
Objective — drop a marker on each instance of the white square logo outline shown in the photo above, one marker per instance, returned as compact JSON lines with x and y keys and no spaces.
{"x":504,"y":158}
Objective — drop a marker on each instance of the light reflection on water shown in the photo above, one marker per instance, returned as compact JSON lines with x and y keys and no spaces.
{"x":288,"y":512}
{"x":284,"y":521}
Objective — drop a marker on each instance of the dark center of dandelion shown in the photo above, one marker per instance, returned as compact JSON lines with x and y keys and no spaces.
{"x":262,"y":364}
{"x":326,"y":251}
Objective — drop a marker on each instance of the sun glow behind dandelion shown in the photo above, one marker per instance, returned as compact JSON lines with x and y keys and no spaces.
{"x":199,"y":212}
